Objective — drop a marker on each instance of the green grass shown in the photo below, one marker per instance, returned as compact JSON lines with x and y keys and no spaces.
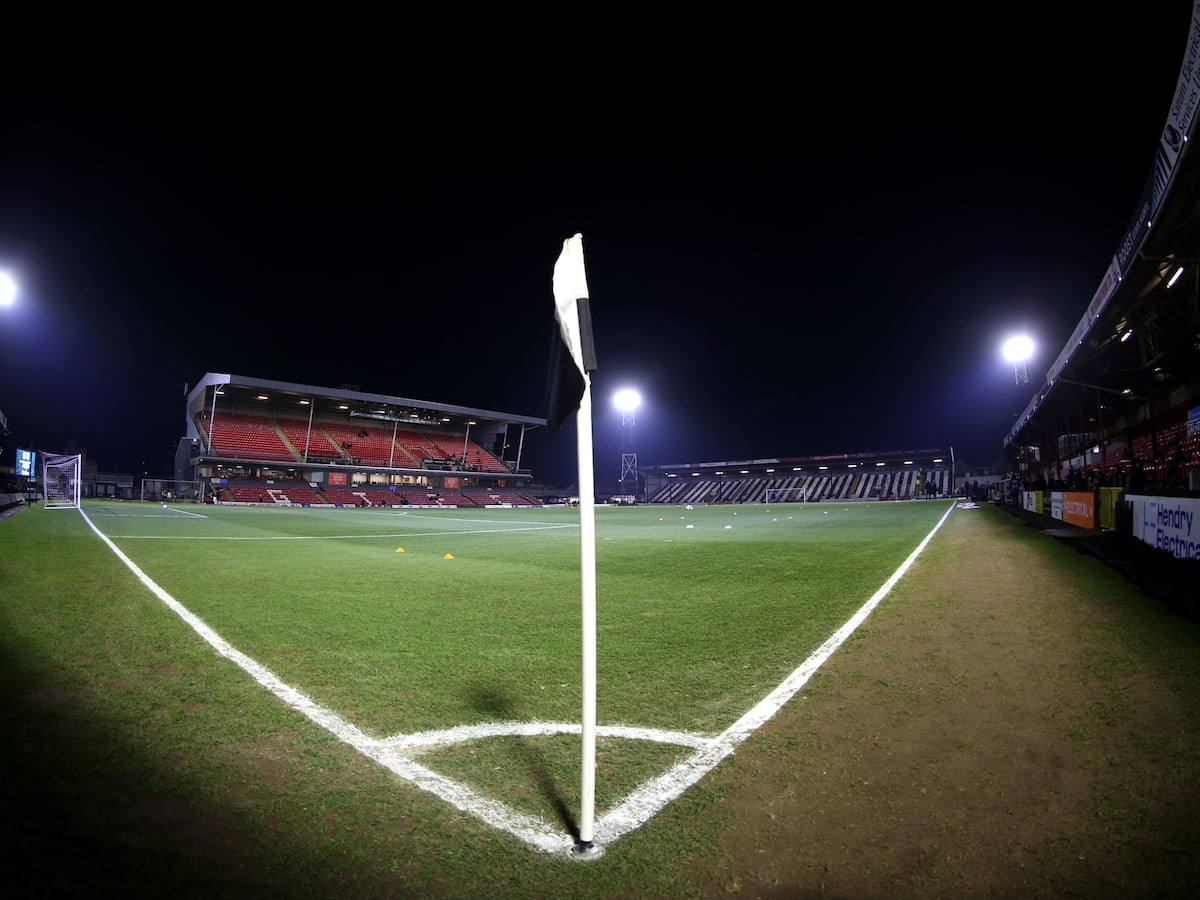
{"x":694,"y":624}
{"x":123,"y":727}
{"x":140,"y":763}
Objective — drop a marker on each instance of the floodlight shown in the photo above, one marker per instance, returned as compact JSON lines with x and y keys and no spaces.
{"x":1017,"y":349}
{"x":8,"y":290}
{"x":627,"y":400}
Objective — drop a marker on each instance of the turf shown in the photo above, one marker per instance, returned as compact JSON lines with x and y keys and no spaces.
{"x":139,"y":763}
{"x":695,"y":624}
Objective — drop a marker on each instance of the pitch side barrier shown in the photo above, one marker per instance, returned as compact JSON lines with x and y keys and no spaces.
{"x":1086,"y":509}
{"x":1168,"y":523}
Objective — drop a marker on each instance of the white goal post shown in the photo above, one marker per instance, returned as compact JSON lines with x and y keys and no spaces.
{"x":784,"y":495}
{"x":61,"y":481}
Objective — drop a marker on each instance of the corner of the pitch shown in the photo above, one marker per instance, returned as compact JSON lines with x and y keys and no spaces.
{"x":584,"y":851}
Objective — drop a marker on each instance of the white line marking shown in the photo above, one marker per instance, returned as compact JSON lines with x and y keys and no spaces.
{"x":651,"y":796}
{"x":484,"y":521}
{"x":424,"y":740}
{"x":526,"y":828}
{"x":333,"y":537}
{"x":105,"y":512}
{"x":633,"y":812}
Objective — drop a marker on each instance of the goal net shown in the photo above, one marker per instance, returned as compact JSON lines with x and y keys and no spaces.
{"x":168,"y":490}
{"x":60,"y":481}
{"x":784,"y":495}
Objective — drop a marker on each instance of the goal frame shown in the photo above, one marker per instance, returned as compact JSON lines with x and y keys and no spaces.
{"x":56,"y":494}
{"x":156,"y":490}
{"x":794,"y":494}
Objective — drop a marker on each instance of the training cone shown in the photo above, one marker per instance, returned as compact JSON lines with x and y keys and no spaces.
{"x":399,"y":549}
{"x":448,"y":556}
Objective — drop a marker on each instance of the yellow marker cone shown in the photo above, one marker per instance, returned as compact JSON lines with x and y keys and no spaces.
{"x":448,"y":556}
{"x":399,"y":549}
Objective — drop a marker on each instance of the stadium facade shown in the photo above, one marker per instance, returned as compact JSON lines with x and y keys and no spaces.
{"x":840,"y":477}
{"x":1120,"y":404}
{"x":258,"y":440}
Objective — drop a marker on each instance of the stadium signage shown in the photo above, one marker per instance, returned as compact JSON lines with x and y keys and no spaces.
{"x":1168,"y":523}
{"x":1079,"y":508}
{"x":1184,"y":103}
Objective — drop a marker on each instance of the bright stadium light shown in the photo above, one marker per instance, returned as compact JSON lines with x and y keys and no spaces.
{"x":627,"y":401}
{"x":1017,"y":350}
{"x":8,"y":290}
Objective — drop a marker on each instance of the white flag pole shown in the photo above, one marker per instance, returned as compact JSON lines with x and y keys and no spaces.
{"x":574,"y":318}
{"x":587,"y":564}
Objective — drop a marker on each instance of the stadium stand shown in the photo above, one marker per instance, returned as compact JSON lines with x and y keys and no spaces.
{"x":498,"y":498}
{"x":874,"y":476}
{"x":369,"y":445}
{"x":242,"y":436}
{"x":318,"y":444}
{"x":420,"y":447}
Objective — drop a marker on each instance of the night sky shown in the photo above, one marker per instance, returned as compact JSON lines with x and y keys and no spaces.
{"x":802,"y":237}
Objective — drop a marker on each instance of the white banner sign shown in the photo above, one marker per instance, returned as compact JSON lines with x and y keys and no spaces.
{"x":1168,"y":523}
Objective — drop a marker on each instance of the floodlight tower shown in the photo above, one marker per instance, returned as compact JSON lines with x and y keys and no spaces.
{"x":627,"y":401}
{"x":1017,"y":351}
{"x":8,"y":290}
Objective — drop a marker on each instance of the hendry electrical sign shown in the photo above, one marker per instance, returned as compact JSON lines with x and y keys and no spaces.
{"x":1168,"y":523}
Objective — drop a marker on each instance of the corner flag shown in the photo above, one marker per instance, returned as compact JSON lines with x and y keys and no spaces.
{"x":572,"y":352}
{"x":569,"y":390}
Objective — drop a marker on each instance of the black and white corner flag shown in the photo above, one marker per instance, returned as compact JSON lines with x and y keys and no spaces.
{"x":572,"y":352}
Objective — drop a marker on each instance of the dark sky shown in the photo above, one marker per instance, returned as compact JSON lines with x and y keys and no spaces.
{"x":802,"y":236}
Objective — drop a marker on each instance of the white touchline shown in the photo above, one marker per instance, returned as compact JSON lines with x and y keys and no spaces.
{"x":334,"y":537}
{"x":651,"y":796}
{"x":485,"y":521}
{"x":633,"y":812}
{"x":526,"y":828}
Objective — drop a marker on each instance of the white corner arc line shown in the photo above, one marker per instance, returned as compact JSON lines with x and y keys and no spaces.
{"x":425,"y":740}
{"x":528,"y":829}
{"x":633,"y":812}
{"x":651,"y":796}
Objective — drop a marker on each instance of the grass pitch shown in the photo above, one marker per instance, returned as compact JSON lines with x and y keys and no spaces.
{"x":415,"y":620}
{"x":411,"y":621}
{"x":139,"y":762}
